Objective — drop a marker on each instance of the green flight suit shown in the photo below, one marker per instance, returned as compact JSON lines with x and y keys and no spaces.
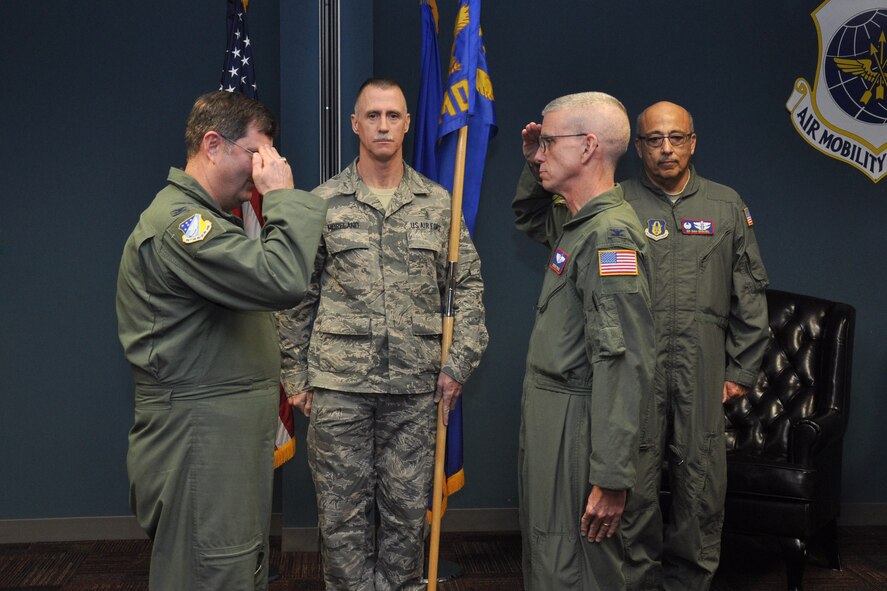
{"x":589,"y":369}
{"x":710,"y":310}
{"x":194,"y":296}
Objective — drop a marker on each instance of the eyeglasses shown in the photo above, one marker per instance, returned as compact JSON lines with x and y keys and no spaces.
{"x":675,"y":139}
{"x":247,"y":150}
{"x":547,"y":140}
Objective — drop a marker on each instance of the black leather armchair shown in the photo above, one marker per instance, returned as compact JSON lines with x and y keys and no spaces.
{"x":785,"y":438}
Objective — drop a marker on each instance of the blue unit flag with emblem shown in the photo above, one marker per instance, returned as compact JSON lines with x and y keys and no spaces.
{"x":467,"y":100}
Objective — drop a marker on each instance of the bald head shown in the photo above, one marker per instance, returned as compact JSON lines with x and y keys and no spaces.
{"x":660,"y":110}
{"x":597,"y":113}
{"x":665,"y":142}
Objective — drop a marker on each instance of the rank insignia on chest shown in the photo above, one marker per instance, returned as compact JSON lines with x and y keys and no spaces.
{"x":748,"y":219}
{"x":195,"y":228}
{"x":697,"y":227}
{"x":558,"y":261}
{"x":617,"y":262}
{"x":656,"y":230}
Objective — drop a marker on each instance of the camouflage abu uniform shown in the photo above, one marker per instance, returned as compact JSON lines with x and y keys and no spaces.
{"x":367,"y":335}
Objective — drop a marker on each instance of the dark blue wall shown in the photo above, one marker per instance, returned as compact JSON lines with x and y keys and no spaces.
{"x":94,"y":99}
{"x":93,"y":105}
{"x":733,"y":65}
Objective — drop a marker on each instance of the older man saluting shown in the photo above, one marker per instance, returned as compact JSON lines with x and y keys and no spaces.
{"x":589,"y":364}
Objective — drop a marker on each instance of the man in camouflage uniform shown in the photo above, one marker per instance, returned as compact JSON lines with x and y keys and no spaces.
{"x":194,"y":294}
{"x":590,"y":358}
{"x":710,"y":309}
{"x":361,"y":354}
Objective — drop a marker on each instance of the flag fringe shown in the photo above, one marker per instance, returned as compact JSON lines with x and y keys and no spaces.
{"x":284,"y":453}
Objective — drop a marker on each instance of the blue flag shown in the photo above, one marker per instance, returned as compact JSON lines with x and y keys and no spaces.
{"x":468,"y":100}
{"x":430,"y":93}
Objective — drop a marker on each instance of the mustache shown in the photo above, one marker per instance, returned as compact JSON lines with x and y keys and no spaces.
{"x":383,"y":138}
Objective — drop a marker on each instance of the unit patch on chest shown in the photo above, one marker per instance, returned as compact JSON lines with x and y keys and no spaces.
{"x":697,"y":227}
{"x":195,"y":228}
{"x":656,"y":230}
{"x":558,"y":261}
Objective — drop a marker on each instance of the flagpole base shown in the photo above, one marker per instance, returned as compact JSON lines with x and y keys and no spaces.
{"x":446,"y":571}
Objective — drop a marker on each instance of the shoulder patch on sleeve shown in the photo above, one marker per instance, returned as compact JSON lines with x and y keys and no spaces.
{"x":748,"y":219}
{"x":195,"y":228}
{"x":617,"y":262}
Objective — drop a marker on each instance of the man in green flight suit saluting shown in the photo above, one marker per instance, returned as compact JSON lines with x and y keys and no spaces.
{"x":194,"y":296}
{"x":590,"y":359}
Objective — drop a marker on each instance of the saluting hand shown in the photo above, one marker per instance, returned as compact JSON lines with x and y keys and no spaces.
{"x":530,"y":136}
{"x":271,"y":170}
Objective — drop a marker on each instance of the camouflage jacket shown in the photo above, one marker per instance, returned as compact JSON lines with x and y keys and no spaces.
{"x":371,"y":321}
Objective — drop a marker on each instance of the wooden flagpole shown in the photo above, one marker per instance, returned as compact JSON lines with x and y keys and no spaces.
{"x":447,"y":340}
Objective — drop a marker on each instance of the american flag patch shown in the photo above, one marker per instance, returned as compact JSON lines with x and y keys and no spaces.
{"x":748,"y":219}
{"x":617,"y":262}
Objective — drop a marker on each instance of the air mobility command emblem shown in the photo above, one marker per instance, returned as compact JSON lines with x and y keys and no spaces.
{"x":844,"y":113}
{"x":195,"y":228}
{"x":656,"y":230}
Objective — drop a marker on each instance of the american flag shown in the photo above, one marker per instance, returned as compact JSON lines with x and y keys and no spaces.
{"x":238,"y":72}
{"x":618,"y":262}
{"x":239,"y":75}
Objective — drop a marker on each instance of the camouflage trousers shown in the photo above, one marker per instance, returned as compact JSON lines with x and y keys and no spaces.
{"x":371,"y":453}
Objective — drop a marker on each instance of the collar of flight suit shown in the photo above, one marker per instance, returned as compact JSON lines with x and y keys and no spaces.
{"x":189,"y":185}
{"x":691,"y":189}
{"x":609,"y":198}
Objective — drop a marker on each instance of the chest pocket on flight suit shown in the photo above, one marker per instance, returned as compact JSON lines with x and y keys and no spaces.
{"x":713,"y":282}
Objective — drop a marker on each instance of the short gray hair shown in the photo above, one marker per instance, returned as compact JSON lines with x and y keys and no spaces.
{"x":614,"y":130}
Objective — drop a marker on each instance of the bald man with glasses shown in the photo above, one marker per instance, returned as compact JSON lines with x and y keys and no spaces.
{"x":710,"y":311}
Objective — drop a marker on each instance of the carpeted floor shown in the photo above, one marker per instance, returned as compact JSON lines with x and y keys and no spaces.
{"x":491,"y":563}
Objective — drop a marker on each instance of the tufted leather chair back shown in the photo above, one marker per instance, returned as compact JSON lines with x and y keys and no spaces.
{"x":805,"y":374}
